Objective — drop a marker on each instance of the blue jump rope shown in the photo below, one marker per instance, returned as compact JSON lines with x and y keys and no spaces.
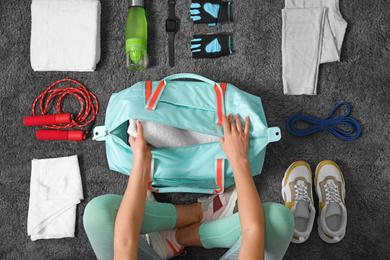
{"x":326,"y":124}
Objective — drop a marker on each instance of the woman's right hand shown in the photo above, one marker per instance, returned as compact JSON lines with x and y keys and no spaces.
{"x":139,"y":147}
{"x":235,"y":142}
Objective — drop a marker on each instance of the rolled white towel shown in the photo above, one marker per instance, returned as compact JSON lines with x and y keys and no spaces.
{"x":165,"y":136}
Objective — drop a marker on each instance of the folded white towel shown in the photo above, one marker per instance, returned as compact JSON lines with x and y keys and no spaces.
{"x":55,"y":190}
{"x":165,"y":136}
{"x":65,"y":35}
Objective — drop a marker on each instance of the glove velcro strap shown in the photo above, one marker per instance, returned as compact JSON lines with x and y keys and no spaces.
{"x":224,"y":40}
{"x":224,"y":12}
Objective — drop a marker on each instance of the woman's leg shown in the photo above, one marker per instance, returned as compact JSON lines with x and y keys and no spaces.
{"x":99,"y":219}
{"x":100,"y":215}
{"x":226,"y":233}
{"x":220,"y":233}
{"x":279,"y":228}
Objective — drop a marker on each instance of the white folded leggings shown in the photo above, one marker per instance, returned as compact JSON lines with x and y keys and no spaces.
{"x":313,"y":33}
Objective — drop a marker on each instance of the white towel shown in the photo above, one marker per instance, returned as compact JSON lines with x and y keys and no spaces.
{"x":165,"y":136}
{"x":55,"y":190}
{"x":65,"y":35}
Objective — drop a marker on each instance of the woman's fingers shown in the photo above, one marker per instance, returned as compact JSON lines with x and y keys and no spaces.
{"x":131,"y":140}
{"x":140,"y":131}
{"x":231,"y":123}
{"x":247,"y":126}
{"x":226,"y":126}
{"x":238,"y":123}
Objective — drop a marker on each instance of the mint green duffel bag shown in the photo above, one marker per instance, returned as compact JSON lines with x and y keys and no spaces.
{"x":197,"y":106}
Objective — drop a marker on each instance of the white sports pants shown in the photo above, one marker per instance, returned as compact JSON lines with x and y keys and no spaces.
{"x":312,"y":33}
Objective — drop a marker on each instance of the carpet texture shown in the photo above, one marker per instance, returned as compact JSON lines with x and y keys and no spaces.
{"x":361,"y":78}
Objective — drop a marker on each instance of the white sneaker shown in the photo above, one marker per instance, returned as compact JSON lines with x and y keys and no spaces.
{"x":298,"y":197}
{"x":165,"y":245}
{"x":150,"y":196}
{"x":219,"y":205}
{"x":163,"y":242}
{"x":330,"y":188}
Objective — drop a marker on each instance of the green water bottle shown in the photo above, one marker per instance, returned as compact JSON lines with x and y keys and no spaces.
{"x":136,"y":36}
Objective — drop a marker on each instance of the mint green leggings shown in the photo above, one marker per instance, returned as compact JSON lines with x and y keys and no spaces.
{"x":100,"y":214}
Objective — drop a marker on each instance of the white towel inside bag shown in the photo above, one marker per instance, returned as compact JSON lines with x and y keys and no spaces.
{"x":165,"y":136}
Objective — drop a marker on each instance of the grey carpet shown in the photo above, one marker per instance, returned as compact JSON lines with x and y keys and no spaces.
{"x":361,"y":78}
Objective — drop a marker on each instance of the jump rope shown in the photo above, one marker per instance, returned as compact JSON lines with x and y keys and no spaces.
{"x":327,"y":124}
{"x":89,"y":105}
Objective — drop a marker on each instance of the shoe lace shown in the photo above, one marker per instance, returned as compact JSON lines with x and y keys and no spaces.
{"x":331,"y":192}
{"x":301,"y":192}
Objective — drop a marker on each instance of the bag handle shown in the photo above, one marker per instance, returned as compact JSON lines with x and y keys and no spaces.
{"x":220,"y":168}
{"x":219,"y":181}
{"x":189,"y":76}
{"x":152,"y":100}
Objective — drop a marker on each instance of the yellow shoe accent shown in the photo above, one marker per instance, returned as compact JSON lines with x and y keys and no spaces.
{"x":322,"y":204}
{"x":296,"y":164}
{"x":326,"y":162}
{"x":290,"y":205}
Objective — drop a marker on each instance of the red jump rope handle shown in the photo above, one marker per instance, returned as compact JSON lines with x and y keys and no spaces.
{"x":60,"y":135}
{"x":47,"y":120}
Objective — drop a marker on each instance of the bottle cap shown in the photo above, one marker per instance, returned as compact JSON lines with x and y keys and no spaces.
{"x":136,"y":3}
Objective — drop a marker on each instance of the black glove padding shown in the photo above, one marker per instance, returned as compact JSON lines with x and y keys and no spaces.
{"x":210,"y":11}
{"x":210,"y":45}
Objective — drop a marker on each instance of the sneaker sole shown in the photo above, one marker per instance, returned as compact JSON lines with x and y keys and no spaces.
{"x":296,"y":241}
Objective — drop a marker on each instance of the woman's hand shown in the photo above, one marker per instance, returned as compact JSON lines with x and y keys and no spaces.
{"x":235,"y":142}
{"x":128,"y":221}
{"x":141,"y":150}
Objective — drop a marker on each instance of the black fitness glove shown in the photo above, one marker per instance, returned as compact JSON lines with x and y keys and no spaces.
{"x":210,"y":11}
{"x":210,"y":45}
